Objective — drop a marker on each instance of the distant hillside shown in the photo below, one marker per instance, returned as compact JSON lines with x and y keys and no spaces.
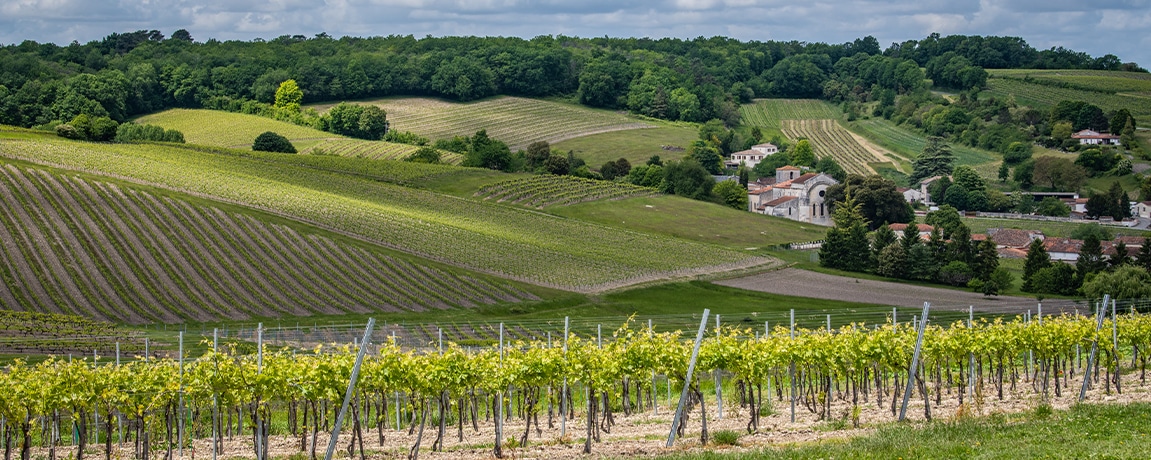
{"x":237,"y":130}
{"x":1109,"y":90}
{"x":514,"y":120}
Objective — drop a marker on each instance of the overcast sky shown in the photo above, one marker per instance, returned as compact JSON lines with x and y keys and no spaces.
{"x":1120,"y":27}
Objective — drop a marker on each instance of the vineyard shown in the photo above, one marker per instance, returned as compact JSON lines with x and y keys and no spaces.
{"x":770,"y":113}
{"x":1091,"y":80}
{"x":501,"y":240}
{"x":547,"y":190}
{"x":908,"y":144}
{"x":375,"y":150}
{"x":828,"y":138}
{"x":1047,"y":96}
{"x":513,"y":120}
{"x":24,"y":332}
{"x":586,"y":387}
{"x":100,"y":251}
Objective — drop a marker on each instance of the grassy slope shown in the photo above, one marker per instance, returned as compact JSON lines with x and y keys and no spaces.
{"x":694,"y":220}
{"x":1131,"y":90}
{"x":634,"y":145}
{"x":1113,"y":431}
{"x":514,"y":120}
{"x":458,"y":231}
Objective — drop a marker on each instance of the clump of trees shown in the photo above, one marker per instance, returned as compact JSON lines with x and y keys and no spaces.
{"x":269,"y":141}
{"x":949,"y":256}
{"x":1092,"y":275}
{"x":132,"y":132}
{"x":87,"y":128}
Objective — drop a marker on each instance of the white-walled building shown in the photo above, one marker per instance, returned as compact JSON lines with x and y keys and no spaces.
{"x":794,"y":195}
{"x":753,"y":156}
{"x":1089,"y":137}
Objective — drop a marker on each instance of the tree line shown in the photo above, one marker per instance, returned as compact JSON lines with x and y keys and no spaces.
{"x":128,"y":74}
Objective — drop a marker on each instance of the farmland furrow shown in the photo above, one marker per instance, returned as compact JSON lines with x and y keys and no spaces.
{"x":150,"y":260}
{"x":232,"y":259}
{"x":303,"y":272}
{"x":93,"y":273}
{"x":332,"y":275}
{"x":193,"y":275}
{"x":195,"y":249}
{"x":37,"y":250}
{"x":402,"y":293}
{"x":405,"y":268}
{"x":271,"y":267}
{"x":126,"y":270}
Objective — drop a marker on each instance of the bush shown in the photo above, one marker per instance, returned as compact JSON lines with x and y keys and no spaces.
{"x":725,"y":438}
{"x":272,"y":142}
{"x":86,"y":128}
{"x":131,"y":132}
{"x":955,"y":273}
{"x":424,"y":155}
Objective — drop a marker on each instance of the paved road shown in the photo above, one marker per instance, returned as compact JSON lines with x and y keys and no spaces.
{"x":793,"y":281}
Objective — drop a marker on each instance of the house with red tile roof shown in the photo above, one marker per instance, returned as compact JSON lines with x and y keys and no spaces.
{"x":794,"y":195}
{"x":1089,"y":137}
{"x":1013,"y":237}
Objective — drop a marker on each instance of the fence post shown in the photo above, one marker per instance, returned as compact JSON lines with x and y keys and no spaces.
{"x":914,"y":361}
{"x":718,"y":379}
{"x":687,"y":381}
{"x":564,"y":391}
{"x":654,"y":399}
{"x":351,"y":388}
{"x":1094,"y":346}
{"x":791,"y":369}
{"x":180,"y":407}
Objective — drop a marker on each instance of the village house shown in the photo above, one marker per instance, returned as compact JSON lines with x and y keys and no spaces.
{"x":1089,"y":137}
{"x":1143,"y":209}
{"x":911,"y":195}
{"x":753,"y":156}
{"x":923,"y":184}
{"x":1067,"y":250}
{"x":794,"y":195}
{"x":923,"y":229}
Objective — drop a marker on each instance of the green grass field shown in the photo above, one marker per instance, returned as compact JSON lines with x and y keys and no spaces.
{"x":497,"y":239}
{"x":695,"y":220}
{"x":1096,"y":80}
{"x":1113,"y":431}
{"x":635,"y":145}
{"x":1051,"y":229}
{"x":514,"y":120}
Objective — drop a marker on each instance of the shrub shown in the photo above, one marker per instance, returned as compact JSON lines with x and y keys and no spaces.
{"x":131,"y":132}
{"x":424,"y":155}
{"x":955,"y":273}
{"x":272,"y":142}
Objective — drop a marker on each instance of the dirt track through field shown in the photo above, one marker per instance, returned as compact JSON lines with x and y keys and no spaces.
{"x":793,"y":281}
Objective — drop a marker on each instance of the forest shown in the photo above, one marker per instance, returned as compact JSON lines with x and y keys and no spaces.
{"x":134,"y":73}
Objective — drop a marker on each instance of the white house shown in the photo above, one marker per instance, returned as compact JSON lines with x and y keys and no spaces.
{"x":1089,"y":137}
{"x":1143,"y":209}
{"x":913,"y":196}
{"x":794,"y":195}
{"x":753,"y":156}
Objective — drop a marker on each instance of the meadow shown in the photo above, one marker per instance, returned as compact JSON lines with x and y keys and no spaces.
{"x":769,"y":113}
{"x":514,"y":120}
{"x":497,"y":239}
{"x":908,"y":144}
{"x":667,"y":140}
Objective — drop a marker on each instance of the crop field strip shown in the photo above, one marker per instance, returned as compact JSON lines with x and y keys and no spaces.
{"x":514,"y":120}
{"x":770,"y":113}
{"x":99,"y":251}
{"x":829,"y":139}
{"x":377,"y":150}
{"x":1098,"y":80}
{"x":23,"y":332}
{"x":549,"y":190}
{"x":458,"y":231}
{"x":907,"y":143}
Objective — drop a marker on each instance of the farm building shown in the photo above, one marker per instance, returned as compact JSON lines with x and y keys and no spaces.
{"x":753,"y":156}
{"x":793,"y":195}
{"x":913,"y":196}
{"x":1089,"y":137}
{"x":924,"y":230}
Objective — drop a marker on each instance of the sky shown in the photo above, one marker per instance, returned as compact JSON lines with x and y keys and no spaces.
{"x":1119,"y":27}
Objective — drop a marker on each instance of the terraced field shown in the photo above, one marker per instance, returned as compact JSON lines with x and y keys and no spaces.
{"x":502,"y":240}
{"x":547,"y":190}
{"x":72,"y":246}
{"x":514,"y":120}
{"x":770,"y":113}
{"x":829,"y":139}
{"x":356,"y":148}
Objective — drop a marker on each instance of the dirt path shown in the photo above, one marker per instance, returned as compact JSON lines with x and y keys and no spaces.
{"x":793,"y":281}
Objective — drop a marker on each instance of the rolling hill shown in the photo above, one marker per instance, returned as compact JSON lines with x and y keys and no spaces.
{"x":470,"y":233}
{"x":514,"y":120}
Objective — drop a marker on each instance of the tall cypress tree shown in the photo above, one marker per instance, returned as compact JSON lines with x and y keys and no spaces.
{"x":986,"y":260}
{"x":1121,"y":257}
{"x":846,"y":246}
{"x":1143,"y":257}
{"x":1090,"y":258}
{"x":1037,"y":259}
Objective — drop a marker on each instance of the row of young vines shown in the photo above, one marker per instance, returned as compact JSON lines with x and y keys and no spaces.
{"x":163,"y":404}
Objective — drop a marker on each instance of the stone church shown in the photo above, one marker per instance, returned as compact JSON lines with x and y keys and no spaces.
{"x":792,"y":194}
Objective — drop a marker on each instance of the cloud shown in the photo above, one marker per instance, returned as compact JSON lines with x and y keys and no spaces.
{"x":1104,"y":26}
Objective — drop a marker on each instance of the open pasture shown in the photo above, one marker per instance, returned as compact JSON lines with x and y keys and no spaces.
{"x":769,"y":113}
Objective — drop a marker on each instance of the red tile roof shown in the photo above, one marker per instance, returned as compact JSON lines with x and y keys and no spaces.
{"x":1062,"y":245}
{"x":804,"y":178}
{"x":1013,"y":237}
{"x":1089,"y":134}
{"x":787,"y":168}
{"x":923,"y":228}
{"x":1012,"y":253}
